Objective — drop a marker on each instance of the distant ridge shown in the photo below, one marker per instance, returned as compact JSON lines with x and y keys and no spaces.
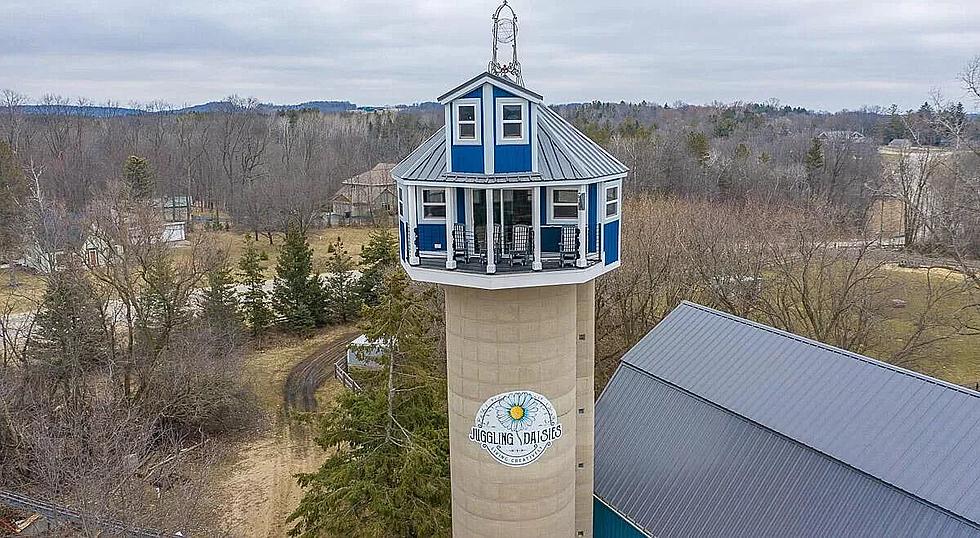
{"x":325,"y":107}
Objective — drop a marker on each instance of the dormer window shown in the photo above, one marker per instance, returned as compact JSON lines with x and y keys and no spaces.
{"x":466,"y":125}
{"x":512,"y":121}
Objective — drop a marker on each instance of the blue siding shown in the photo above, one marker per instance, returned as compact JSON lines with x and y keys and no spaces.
{"x":608,"y":524}
{"x":475,"y":94}
{"x":468,"y":159}
{"x":512,"y":158}
{"x":593,"y":217}
{"x":610,"y":234}
{"x":460,"y":206}
{"x":500,"y":92}
{"x":550,"y":236}
{"x":430,"y":235}
{"x":543,"y":196}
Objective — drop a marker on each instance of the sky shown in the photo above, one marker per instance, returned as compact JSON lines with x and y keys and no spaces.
{"x":821,"y":54}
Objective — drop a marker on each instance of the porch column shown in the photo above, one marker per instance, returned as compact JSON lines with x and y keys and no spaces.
{"x":491,"y":263}
{"x":583,"y":240}
{"x":413,"y":221}
{"x":450,"y":220}
{"x":536,"y":226}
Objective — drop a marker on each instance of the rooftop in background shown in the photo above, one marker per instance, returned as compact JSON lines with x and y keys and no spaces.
{"x":733,"y":428}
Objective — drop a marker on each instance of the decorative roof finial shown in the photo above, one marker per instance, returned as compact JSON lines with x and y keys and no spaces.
{"x":505,"y":32}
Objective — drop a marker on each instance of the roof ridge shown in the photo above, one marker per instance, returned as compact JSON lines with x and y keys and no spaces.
{"x":831,"y":457}
{"x":827,"y":347}
{"x":569,"y":125}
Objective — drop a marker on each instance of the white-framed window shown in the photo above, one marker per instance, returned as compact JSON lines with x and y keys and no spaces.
{"x":467,"y":129}
{"x":401,"y":202}
{"x":563,"y":205}
{"x":433,"y":204}
{"x":612,"y":201}
{"x":512,"y":121}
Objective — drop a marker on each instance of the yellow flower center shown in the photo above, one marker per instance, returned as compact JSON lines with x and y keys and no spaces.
{"x":517,"y":412}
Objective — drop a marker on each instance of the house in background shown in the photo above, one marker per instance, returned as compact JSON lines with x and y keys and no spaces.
{"x":176,"y":208}
{"x":366,"y":198}
{"x":840,"y":136}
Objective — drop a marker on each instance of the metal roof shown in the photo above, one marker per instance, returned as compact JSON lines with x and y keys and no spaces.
{"x":731,"y":428}
{"x":564,"y":153}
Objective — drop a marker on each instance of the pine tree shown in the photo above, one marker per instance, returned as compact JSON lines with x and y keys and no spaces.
{"x":253,"y":302}
{"x":14,"y":191}
{"x":341,"y":289}
{"x":297,"y":298}
{"x":700,"y":148}
{"x":69,"y":335}
{"x":387,"y":472}
{"x":137,"y":173}
{"x":814,"y":158}
{"x":378,"y":256}
{"x":219,"y":303}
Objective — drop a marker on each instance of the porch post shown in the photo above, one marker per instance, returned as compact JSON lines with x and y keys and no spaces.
{"x":491,"y":263}
{"x":413,"y":221}
{"x":450,"y":220}
{"x":583,"y":240}
{"x":536,"y":226}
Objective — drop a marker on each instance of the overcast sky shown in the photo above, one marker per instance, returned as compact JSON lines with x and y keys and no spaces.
{"x":822,"y":54}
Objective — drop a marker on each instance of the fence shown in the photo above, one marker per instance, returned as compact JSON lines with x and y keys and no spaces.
{"x":341,"y":373}
{"x":53,"y":512}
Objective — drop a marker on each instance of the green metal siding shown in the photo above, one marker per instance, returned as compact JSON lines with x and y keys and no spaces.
{"x":608,"y":524}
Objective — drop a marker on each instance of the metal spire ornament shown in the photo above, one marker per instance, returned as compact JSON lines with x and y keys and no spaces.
{"x":505,"y":32}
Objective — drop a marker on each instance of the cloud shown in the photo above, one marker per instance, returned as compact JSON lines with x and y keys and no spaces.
{"x":825,"y":54}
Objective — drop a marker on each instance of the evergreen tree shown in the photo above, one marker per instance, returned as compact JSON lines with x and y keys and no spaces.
{"x":13,"y":194}
{"x":298,"y":297}
{"x":378,"y":256}
{"x":138,"y":176}
{"x":253,"y":303}
{"x":813,"y":161}
{"x":700,"y":148}
{"x":341,"y":289}
{"x":219,"y":304}
{"x":387,"y":472}
{"x":69,"y":336}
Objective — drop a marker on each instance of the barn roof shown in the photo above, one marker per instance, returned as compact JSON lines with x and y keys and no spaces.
{"x":564,"y":153}
{"x":733,"y":428}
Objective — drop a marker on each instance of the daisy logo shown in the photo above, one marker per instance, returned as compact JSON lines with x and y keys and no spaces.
{"x":516,"y":427}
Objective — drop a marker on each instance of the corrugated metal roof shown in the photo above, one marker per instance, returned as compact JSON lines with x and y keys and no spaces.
{"x":732,"y":428}
{"x":564,"y":153}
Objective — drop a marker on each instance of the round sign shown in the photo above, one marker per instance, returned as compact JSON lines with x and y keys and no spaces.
{"x":516,"y":427}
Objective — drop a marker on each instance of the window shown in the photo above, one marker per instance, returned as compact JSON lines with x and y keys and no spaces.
{"x":564,"y":204}
{"x":466,"y":129}
{"x":401,"y":202}
{"x":433,"y":204}
{"x":511,"y":121}
{"x":612,"y":201}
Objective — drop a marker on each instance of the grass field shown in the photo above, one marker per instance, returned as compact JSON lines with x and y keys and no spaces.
{"x":956,"y":359}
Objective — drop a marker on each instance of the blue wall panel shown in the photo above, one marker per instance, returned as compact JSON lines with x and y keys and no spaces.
{"x":610,"y":235}
{"x":475,"y":94}
{"x":608,"y":524}
{"x":550,"y":236}
{"x":431,"y":235}
{"x":498,"y":92}
{"x":593,"y":217}
{"x":468,"y":159}
{"x":543,"y":196}
{"x":461,"y":206}
{"x":512,"y":158}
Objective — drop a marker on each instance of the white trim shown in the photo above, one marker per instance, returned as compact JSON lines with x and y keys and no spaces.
{"x":515,"y":185}
{"x":533,"y":128}
{"x":604,"y":203}
{"x":488,"y":155}
{"x":449,"y":139}
{"x":491,"y":263}
{"x":536,"y":226}
{"x":450,"y":220}
{"x":506,"y":281}
{"x":583,"y":225}
{"x":551,"y":205}
{"x":420,"y":207}
{"x":487,"y":80}
{"x":413,"y":258}
{"x":477,"y":122}
{"x":499,"y":104}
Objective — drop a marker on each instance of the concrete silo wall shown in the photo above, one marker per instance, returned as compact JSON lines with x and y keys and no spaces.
{"x":500,"y":341}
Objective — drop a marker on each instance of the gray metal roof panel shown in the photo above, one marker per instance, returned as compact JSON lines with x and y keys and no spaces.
{"x":915,"y":432}
{"x":679,"y":465}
